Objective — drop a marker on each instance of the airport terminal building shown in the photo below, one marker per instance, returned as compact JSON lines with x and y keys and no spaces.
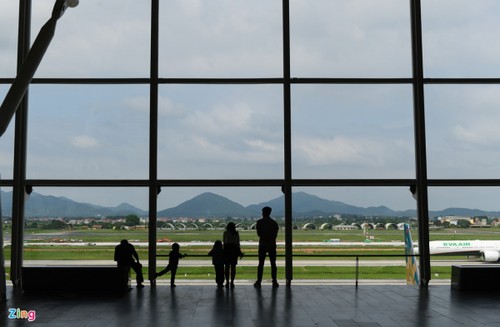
{"x":151,"y":102}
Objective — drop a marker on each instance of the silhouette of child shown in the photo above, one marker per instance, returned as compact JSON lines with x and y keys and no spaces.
{"x":218,"y":260}
{"x":173,"y":262}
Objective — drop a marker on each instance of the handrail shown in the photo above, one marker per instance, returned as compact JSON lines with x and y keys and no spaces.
{"x":357,"y":256}
{"x":311,"y":255}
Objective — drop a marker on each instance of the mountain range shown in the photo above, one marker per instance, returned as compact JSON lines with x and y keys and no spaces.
{"x":210,"y":205}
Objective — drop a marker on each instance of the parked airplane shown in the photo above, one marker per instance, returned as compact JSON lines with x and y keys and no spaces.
{"x":488,"y":251}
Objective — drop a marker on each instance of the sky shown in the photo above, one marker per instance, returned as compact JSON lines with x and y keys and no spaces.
{"x":236,"y":131}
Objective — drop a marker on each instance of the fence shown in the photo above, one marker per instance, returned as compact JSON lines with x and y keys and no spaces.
{"x":356,"y":258}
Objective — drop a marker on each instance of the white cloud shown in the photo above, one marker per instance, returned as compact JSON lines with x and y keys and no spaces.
{"x":140,"y":104}
{"x":463,"y":134}
{"x":358,"y":151}
{"x":477,"y":135}
{"x":84,"y":142}
{"x":264,"y":146}
{"x":222,"y":119}
{"x":461,"y":38}
{"x":168,"y":108}
{"x":319,"y":151}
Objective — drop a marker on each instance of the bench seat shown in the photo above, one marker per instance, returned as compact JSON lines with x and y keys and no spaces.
{"x":76,"y":278}
{"x":483,"y":278}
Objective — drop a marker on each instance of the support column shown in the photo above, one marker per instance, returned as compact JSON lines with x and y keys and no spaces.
{"x":287,"y":187}
{"x":3,"y":282}
{"x":420,"y":148}
{"x":20,"y":136}
{"x":154,"y":188}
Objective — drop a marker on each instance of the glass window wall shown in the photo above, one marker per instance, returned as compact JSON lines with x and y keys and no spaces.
{"x":102,"y":129}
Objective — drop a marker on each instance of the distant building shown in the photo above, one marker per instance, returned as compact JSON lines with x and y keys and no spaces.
{"x":453,"y":220}
{"x":344,"y":227}
{"x":480,"y":223}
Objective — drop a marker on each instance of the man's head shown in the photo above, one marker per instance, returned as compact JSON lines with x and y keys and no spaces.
{"x":266,"y":211}
{"x":124,"y":242}
{"x":176,"y":247}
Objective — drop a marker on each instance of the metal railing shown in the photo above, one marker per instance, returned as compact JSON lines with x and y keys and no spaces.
{"x":356,"y":256}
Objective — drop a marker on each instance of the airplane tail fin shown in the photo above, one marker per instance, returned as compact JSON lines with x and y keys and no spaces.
{"x":412,"y":272}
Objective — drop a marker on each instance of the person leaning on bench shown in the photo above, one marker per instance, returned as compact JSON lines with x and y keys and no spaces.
{"x":125,"y":257}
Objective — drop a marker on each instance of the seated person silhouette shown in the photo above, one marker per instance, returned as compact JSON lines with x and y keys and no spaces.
{"x":126,"y":257}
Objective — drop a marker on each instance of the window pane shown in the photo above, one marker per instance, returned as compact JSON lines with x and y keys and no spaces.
{"x":220,"y":38}
{"x":181,"y":209}
{"x":96,"y":39}
{"x":101,"y":210}
{"x":7,"y":145}
{"x":344,"y":38}
{"x":217,"y":202}
{"x":82,"y":131}
{"x":8,"y":38}
{"x":460,"y":38}
{"x":227,"y":132}
{"x":6,"y":206}
{"x":346,"y":131}
{"x":361,"y":201}
{"x":87,"y":202}
{"x":462,"y":131}
{"x":464,"y":201}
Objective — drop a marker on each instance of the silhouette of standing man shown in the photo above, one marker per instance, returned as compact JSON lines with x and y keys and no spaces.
{"x":124,"y":256}
{"x":267,"y":230}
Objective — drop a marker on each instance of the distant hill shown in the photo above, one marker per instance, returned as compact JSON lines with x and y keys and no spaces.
{"x":305,"y":204}
{"x":39,"y":205}
{"x":210,"y":205}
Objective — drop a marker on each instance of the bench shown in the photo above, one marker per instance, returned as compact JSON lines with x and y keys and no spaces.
{"x":76,"y":278}
{"x":475,"y":277}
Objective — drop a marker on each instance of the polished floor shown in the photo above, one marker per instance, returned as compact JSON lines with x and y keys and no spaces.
{"x":299,"y":305}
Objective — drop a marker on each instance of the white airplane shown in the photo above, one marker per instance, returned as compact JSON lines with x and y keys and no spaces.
{"x":488,"y":251}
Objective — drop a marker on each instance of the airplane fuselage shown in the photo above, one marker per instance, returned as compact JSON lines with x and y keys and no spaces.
{"x":487,"y":250}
